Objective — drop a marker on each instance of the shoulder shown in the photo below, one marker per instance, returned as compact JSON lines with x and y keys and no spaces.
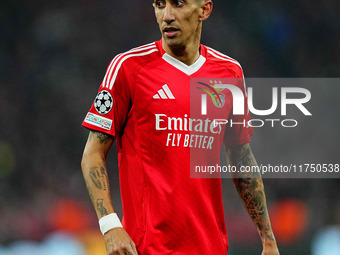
{"x":224,"y":61}
{"x":138,"y":55}
{"x":130,"y":61}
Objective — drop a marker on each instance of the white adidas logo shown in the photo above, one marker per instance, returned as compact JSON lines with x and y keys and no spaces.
{"x":164,"y":93}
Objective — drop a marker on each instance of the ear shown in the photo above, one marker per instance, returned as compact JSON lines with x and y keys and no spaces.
{"x":207,"y":7}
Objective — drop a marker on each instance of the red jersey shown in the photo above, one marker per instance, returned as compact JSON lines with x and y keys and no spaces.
{"x":146,"y":102}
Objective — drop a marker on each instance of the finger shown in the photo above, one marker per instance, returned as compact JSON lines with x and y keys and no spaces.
{"x":134,"y":248}
{"x":131,"y":252}
{"x":125,"y":250}
{"x":116,"y":252}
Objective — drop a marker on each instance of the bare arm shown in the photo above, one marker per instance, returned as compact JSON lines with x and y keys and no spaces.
{"x":93,"y":165}
{"x":251,"y":190}
{"x":95,"y":174}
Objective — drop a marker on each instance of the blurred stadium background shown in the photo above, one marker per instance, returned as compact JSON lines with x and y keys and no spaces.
{"x":53,"y":56}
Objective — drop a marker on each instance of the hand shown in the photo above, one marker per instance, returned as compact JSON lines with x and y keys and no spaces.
{"x":270,"y":249}
{"x":118,"y":242}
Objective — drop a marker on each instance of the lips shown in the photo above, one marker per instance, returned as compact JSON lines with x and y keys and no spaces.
{"x":170,"y":31}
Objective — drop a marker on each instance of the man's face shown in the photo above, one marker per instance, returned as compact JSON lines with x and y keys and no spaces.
{"x":179,"y":20}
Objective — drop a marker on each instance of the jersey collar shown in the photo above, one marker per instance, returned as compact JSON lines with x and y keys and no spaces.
{"x":188,"y":70}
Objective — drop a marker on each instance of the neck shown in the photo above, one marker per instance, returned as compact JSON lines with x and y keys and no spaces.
{"x":188,"y":54}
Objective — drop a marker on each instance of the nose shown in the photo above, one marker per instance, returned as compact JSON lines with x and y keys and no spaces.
{"x":168,"y":14}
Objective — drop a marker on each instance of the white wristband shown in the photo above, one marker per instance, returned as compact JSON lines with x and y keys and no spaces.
{"x":109,"y":222}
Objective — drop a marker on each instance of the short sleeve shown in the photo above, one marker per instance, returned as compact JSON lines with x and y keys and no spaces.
{"x":237,"y":130}
{"x":111,"y":105}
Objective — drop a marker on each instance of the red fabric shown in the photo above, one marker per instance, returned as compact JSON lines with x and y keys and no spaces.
{"x":166,"y":211}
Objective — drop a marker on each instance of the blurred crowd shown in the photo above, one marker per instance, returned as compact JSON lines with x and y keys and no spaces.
{"x":53,"y":56}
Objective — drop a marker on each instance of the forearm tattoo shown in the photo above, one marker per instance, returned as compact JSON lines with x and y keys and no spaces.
{"x":99,"y":179}
{"x":94,"y":176}
{"x":100,"y":206}
{"x":251,"y":190}
{"x":104,"y":177}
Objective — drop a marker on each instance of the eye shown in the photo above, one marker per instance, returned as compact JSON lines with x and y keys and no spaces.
{"x":179,"y":3}
{"x":160,"y":4}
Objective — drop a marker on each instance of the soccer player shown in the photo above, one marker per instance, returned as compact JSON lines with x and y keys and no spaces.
{"x":144,"y":105}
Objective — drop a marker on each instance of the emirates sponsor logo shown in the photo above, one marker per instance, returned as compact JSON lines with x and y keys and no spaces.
{"x":207,"y":127}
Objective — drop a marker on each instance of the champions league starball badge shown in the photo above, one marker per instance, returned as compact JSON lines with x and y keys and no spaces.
{"x":103,"y":102}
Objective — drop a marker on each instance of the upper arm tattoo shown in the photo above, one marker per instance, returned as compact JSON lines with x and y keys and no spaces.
{"x":103,"y":138}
